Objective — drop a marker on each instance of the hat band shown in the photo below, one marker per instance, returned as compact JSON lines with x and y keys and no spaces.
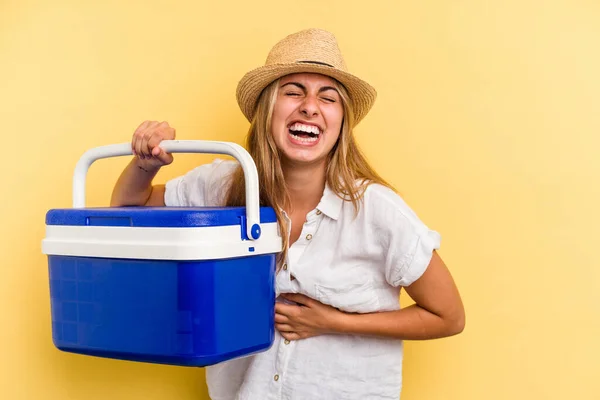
{"x":314,"y":62}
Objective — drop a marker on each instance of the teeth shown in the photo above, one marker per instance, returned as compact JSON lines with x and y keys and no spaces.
{"x":306,"y":140}
{"x":305,"y":128}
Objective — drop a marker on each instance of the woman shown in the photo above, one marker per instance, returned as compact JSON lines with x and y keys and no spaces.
{"x":351,"y":241}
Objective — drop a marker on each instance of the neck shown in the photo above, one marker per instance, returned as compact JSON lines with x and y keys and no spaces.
{"x":305,"y":184}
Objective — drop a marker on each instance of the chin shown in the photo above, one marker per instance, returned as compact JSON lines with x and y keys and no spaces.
{"x":294,"y":157}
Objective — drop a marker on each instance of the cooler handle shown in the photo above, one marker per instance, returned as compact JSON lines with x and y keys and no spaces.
{"x":253,"y":230}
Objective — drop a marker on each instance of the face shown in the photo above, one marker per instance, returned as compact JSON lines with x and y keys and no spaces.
{"x":307,"y":118}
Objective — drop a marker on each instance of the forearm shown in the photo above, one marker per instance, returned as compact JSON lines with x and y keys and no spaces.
{"x":411,"y":323}
{"x":134,"y":186}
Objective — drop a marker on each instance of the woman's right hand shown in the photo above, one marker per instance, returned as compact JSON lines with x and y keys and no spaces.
{"x":145,"y":144}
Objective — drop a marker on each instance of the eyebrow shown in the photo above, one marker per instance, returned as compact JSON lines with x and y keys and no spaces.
{"x":301,"y":86}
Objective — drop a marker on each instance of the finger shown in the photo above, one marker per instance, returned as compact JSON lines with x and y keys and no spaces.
{"x":154,"y":144}
{"x":281,"y":319}
{"x":297,"y":298}
{"x":146,"y":149}
{"x":285,"y":309}
{"x":168,"y":133}
{"x":139,"y":139}
{"x":153,"y":132}
{"x":136,"y":135}
{"x":152,"y":137}
{"x":290,"y":335}
{"x":143,"y":145}
{"x":162,"y":132}
{"x":156,"y":151}
{"x":142,"y":127}
{"x":154,"y":141}
{"x":164,"y":157}
{"x":284,"y":328}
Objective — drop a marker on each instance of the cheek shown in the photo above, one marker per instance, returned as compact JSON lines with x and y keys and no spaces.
{"x":280,"y":114}
{"x":336,"y":119}
{"x":277,"y":124}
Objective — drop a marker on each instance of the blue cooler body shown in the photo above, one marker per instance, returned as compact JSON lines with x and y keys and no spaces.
{"x":181,"y":286}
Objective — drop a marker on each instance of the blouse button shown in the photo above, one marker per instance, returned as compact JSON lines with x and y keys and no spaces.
{"x":276,"y":378}
{"x":319,"y":212}
{"x":308,"y":237}
{"x":285,"y":267}
{"x":286,"y":341}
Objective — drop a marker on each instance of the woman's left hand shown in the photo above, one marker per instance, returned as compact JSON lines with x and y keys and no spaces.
{"x":306,"y":319}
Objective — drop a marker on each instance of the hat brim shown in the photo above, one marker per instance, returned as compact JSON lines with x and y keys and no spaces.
{"x":252,"y":84}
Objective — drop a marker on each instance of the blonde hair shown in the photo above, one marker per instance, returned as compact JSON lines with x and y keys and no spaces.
{"x":348,"y":172}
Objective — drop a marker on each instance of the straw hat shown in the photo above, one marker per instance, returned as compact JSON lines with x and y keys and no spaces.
{"x":311,"y":50}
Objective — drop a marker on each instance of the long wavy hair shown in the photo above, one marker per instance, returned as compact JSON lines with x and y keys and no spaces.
{"x":348,"y":172}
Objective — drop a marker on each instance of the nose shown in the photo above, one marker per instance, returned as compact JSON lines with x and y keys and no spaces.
{"x":310,"y":107}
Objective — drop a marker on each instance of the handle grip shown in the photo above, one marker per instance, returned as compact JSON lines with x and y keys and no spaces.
{"x":180,"y":146}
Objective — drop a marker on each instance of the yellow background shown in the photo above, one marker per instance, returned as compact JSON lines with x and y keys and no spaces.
{"x":487,"y":121}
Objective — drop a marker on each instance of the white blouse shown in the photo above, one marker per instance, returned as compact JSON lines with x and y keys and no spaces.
{"x":356,"y":263}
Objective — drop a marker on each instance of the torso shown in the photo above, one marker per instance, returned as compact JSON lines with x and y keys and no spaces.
{"x":353,"y":262}
{"x":298,"y":219}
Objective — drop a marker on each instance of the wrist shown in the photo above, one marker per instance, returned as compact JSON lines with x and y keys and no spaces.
{"x":146,"y":167}
{"x":341,"y":322}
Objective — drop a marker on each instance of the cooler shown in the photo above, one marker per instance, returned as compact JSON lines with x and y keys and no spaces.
{"x":181,"y":286}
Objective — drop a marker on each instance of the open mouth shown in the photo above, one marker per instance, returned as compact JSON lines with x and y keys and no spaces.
{"x":304,"y":133}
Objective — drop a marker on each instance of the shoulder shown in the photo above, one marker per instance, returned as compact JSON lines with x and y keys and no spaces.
{"x":210,"y":177}
{"x":205,"y":185}
{"x":380,"y":196}
{"x":217,"y":169}
{"x":218,"y":180}
{"x":384,"y":206}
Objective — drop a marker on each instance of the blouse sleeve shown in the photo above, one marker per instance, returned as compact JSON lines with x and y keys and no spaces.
{"x":407,"y":243}
{"x":203,"y":186}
